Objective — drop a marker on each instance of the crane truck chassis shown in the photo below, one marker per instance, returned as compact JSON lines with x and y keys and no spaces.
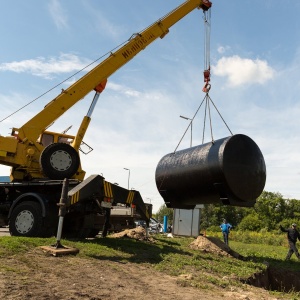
{"x":30,"y":209}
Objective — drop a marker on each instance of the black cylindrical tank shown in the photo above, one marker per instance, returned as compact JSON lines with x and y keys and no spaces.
{"x":231,"y":171}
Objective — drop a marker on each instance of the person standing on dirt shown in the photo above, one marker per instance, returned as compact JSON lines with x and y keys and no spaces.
{"x":225,"y":228}
{"x":292,"y":235}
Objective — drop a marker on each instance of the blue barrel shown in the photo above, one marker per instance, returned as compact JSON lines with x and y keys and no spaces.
{"x":165,"y":224}
{"x":231,"y":171}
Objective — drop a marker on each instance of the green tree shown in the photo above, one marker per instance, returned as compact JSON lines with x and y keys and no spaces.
{"x":270,"y":210}
{"x":251,"y":222}
{"x":213,"y":215}
{"x":286,"y":223}
{"x":208,"y":216}
{"x":270,"y":207}
{"x":232,"y":214}
{"x":292,"y":209}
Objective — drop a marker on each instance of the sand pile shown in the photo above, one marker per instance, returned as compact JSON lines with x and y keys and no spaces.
{"x":213,"y":245}
{"x":138,"y":233}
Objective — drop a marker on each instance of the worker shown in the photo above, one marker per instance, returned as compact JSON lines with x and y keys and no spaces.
{"x":292,"y":235}
{"x":225,"y":228}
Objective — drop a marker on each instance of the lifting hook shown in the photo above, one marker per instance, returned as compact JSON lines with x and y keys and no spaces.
{"x":207,"y":85}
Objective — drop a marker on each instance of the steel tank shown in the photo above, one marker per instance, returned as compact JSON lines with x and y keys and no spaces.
{"x":231,"y":171}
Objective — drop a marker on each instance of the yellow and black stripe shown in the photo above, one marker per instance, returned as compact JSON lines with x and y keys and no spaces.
{"x":147,"y":214}
{"x":74,"y":198}
{"x":130,"y":197}
{"x":108,"y":193}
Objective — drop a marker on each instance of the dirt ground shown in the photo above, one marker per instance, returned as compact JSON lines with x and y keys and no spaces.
{"x":40,"y":275}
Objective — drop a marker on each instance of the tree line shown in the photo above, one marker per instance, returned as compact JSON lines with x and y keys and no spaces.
{"x":270,"y":210}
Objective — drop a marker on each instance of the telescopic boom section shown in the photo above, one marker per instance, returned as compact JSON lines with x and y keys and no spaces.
{"x":86,"y":120}
{"x":58,"y":106}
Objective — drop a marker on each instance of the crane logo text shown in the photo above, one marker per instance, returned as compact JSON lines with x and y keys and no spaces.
{"x":139,"y":44}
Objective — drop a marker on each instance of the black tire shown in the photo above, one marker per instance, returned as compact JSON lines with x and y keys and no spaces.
{"x":59,"y":161}
{"x":26,"y":220}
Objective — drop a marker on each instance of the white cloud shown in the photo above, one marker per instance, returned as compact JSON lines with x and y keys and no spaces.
{"x":58,"y":14}
{"x":46,"y":67}
{"x":123,"y":89}
{"x":240,"y":71}
{"x":223,"y":49}
{"x":103,"y":23}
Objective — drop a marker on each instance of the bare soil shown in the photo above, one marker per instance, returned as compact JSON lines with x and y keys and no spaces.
{"x":40,"y":275}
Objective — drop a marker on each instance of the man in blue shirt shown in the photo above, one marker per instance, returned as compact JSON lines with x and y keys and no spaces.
{"x":225,"y":227}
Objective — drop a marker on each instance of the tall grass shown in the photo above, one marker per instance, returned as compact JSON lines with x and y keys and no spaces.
{"x":251,"y":237}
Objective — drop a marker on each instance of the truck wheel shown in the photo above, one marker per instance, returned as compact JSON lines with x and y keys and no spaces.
{"x":59,"y":161}
{"x":26,"y":220}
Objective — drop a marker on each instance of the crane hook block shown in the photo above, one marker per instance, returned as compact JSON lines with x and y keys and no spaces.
{"x":206,"y":5}
{"x":101,"y":86}
{"x":206,"y":74}
{"x":206,"y":87}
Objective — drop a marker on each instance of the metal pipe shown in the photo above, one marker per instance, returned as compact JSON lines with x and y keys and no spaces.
{"x":62,"y":212}
{"x":93,"y":104}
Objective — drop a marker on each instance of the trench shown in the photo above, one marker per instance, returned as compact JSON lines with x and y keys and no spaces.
{"x":276,"y":279}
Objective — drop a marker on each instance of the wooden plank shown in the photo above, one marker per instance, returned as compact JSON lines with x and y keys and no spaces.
{"x":59,"y":251}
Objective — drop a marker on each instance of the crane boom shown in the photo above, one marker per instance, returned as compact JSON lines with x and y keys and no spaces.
{"x":24,"y":154}
{"x":105,"y":69}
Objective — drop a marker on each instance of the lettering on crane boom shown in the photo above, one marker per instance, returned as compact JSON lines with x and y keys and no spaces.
{"x":140,"y":43}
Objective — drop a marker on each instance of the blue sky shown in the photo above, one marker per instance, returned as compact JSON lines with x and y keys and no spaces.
{"x":255,"y":60}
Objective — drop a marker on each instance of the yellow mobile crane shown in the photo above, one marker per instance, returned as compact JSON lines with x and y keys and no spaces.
{"x":34,"y":153}
{"x":41,"y":159}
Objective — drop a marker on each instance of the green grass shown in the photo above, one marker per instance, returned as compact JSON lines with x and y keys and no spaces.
{"x":263,"y":247}
{"x":276,"y":238}
{"x":169,"y":255}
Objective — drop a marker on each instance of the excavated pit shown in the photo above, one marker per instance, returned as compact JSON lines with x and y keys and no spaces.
{"x":272,"y":279}
{"x":276,"y":279}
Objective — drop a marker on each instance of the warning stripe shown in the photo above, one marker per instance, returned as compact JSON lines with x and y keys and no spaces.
{"x":75,"y":198}
{"x":130,"y":197}
{"x":147,"y":214}
{"x":107,"y":189}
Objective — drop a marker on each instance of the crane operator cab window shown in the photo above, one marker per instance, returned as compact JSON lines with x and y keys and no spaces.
{"x":64,"y":139}
{"x":47,"y":139}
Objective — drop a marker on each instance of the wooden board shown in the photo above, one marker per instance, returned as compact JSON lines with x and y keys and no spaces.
{"x":59,"y":251}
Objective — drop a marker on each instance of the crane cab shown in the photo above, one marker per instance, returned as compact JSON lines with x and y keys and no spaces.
{"x":49,"y":137}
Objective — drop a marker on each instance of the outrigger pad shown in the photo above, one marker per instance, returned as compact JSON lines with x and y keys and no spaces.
{"x":229,"y":171}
